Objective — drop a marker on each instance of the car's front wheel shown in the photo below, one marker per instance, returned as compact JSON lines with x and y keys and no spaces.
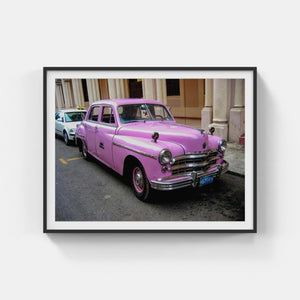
{"x":140,"y":183}
{"x":66,"y":139}
{"x":84,"y":151}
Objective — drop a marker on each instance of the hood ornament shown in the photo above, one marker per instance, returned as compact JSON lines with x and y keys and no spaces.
{"x":155,"y":136}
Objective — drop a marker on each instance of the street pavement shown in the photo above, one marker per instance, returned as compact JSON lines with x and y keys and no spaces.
{"x":90,"y":191}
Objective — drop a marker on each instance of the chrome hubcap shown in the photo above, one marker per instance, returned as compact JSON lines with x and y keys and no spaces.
{"x":138,"y":179}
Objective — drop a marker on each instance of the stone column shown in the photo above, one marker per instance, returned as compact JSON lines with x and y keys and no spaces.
{"x":120,"y":86}
{"x":161,"y":90}
{"x":93,"y":90}
{"x":149,"y":89}
{"x":112,"y":88}
{"x":59,"y":97}
{"x":207,"y":111}
{"x":237,"y":112}
{"x":220,"y":102}
{"x":126,"y":84}
{"x":67,"y":91}
{"x":78,"y":92}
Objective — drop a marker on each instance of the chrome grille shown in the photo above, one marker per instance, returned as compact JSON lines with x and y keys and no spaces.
{"x":194,"y":162}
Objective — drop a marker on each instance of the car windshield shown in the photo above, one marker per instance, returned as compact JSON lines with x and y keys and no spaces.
{"x":75,"y":116}
{"x":143,"y":112}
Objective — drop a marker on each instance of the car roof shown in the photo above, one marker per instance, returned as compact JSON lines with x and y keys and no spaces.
{"x":71,"y":110}
{"x":118,"y":102}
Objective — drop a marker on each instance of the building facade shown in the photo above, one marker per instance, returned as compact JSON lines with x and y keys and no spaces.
{"x":197,"y":102}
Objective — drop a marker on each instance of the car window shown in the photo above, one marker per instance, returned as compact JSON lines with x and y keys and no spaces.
{"x":75,"y":116}
{"x":61,"y":116}
{"x":94,"y":113}
{"x":159,"y":112}
{"x":143,"y":112}
{"x":107,"y":115}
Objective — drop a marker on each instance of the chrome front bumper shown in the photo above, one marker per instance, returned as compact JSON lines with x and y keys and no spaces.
{"x":179,"y":181}
{"x":72,"y":136}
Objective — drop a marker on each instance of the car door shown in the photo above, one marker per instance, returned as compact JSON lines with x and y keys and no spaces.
{"x":104,"y":135}
{"x":59,"y":122}
{"x":91,"y":126}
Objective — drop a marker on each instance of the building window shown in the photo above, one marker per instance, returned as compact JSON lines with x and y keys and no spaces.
{"x":173,"y":87}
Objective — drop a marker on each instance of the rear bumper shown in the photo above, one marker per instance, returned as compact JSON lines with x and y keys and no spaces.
{"x":179,"y":181}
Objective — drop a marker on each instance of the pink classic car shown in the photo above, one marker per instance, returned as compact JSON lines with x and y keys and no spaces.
{"x":140,"y":139}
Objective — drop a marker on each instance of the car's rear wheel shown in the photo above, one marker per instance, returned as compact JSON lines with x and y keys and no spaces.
{"x":66,"y":138}
{"x":84,"y":151}
{"x":140,"y":183}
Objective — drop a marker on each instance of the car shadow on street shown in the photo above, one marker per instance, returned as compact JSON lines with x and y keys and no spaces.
{"x":188,"y":194}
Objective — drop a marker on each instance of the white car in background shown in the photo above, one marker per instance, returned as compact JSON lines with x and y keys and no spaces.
{"x":66,"y":121}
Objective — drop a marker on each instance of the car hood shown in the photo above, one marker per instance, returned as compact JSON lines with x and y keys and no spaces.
{"x":191,"y":139}
{"x":71,"y":125}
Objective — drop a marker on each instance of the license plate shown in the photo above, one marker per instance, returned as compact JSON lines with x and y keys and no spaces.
{"x":206,"y":180}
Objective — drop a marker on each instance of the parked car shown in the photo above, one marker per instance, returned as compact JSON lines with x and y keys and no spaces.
{"x":66,"y":121}
{"x":141,"y":140}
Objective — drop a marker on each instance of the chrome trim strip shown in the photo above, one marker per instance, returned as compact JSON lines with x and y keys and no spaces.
{"x":134,"y":150}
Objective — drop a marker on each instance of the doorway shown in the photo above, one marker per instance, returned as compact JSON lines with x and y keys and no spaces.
{"x":135,"y":88}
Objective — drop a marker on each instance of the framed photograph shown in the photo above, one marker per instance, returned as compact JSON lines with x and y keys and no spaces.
{"x":150,"y":149}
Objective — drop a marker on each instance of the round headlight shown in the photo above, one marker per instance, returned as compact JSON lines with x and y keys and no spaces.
{"x":165,"y":157}
{"x":222,"y":145}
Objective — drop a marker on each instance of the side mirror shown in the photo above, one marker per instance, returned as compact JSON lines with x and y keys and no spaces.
{"x":212,"y":130}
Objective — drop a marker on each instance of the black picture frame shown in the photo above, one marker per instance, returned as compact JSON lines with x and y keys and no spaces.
{"x":46,"y":71}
